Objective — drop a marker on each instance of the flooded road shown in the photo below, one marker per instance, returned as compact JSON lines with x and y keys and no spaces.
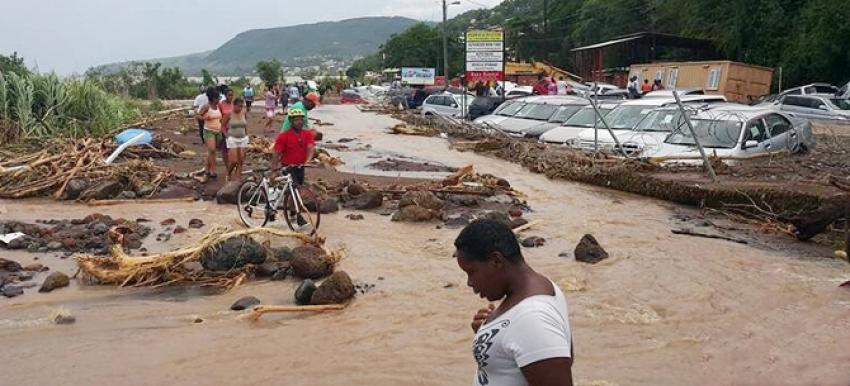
{"x":663,"y":310}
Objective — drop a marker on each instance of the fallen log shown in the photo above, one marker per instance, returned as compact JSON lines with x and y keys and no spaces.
{"x":261,"y":310}
{"x":691,"y":232}
{"x":140,"y":201}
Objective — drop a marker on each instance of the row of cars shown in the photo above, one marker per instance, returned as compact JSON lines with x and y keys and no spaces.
{"x":654,"y":126}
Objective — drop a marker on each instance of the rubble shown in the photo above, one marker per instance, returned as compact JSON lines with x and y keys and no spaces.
{"x":94,"y":233}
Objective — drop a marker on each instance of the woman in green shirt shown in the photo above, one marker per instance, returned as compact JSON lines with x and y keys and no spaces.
{"x":237,"y":139}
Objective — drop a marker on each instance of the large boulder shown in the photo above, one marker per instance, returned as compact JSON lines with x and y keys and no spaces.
{"x":75,"y":188}
{"x":229,"y":193}
{"x":9,"y":265}
{"x":102,"y":191}
{"x":414,"y":213}
{"x":337,"y":289}
{"x":233,"y":253}
{"x":368,"y":200}
{"x":325,"y":206}
{"x":421,"y":198}
{"x":589,"y":251}
{"x":245,"y":303}
{"x":355,"y":189}
{"x":53,"y":281}
{"x":304,"y":292}
{"x":310,"y":262}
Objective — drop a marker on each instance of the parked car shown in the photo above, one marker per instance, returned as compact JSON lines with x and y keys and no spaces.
{"x":446,"y":104}
{"x":579,"y":122}
{"x":534,"y":117}
{"x":504,"y":111}
{"x":816,"y":107}
{"x":482,"y":106}
{"x":519,"y":92}
{"x":843,"y":92}
{"x":669,"y":93}
{"x":351,"y":97}
{"x":736,"y":131}
{"x":625,"y":117}
{"x":811,"y":89}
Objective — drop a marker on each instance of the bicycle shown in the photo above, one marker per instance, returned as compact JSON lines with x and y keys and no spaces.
{"x":259,"y":203}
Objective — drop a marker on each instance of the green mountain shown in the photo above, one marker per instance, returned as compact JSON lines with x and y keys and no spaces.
{"x":299,"y":45}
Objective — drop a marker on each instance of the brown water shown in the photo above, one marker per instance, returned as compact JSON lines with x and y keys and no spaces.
{"x":663,"y":310}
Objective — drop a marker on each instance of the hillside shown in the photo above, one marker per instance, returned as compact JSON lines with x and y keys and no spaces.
{"x":299,"y":45}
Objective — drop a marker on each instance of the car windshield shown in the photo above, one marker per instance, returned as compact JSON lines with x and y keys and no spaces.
{"x":539,"y":112}
{"x":721,"y":134}
{"x":627,"y":117}
{"x":841,"y":104}
{"x":564,"y":113}
{"x":584,"y":118}
{"x":662,"y":120}
{"x":510,"y":110}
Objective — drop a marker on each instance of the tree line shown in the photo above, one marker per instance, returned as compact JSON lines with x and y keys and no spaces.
{"x":807,"y":38}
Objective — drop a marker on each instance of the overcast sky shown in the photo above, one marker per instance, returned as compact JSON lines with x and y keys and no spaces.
{"x":71,"y":35}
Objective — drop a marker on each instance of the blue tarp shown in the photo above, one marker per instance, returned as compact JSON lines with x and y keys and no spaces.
{"x":131,"y":133}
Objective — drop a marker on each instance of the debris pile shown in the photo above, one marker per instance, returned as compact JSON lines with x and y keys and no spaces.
{"x":95,"y":233}
{"x":221,"y":259}
{"x":71,"y":170}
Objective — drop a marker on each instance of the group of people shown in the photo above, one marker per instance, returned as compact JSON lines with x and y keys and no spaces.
{"x":547,"y":85}
{"x":636,"y":90}
{"x":223,"y":127}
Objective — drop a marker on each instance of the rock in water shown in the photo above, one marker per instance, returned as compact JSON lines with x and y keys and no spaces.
{"x":62,"y":316}
{"x":533,"y":242}
{"x":233,"y":253}
{"x":589,"y":251}
{"x":369,"y":200}
{"x":53,"y":281}
{"x":9,"y":265}
{"x":518,"y":222}
{"x":229,"y":193}
{"x":196,"y":223}
{"x":74,"y":189}
{"x":245,"y":303}
{"x":146,"y":190}
{"x":355,"y":189}
{"x":498,"y":217}
{"x":304,"y":292}
{"x":311,"y":262}
{"x":11,"y":291}
{"x":354,"y":217}
{"x":102,"y":191}
{"x":267,"y":269}
{"x":328,"y":205}
{"x":413,"y":213}
{"x":422,"y":198}
{"x":36,"y":268}
{"x":337,"y":289}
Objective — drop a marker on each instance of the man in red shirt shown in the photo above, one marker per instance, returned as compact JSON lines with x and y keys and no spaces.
{"x":294,"y":148}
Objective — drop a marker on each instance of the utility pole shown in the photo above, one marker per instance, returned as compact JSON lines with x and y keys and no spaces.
{"x":445,"y":44}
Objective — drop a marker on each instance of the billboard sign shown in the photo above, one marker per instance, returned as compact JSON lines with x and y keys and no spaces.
{"x":485,"y":55}
{"x":418,"y":76}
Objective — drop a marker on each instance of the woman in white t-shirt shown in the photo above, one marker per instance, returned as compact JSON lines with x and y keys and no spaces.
{"x":526,"y":340}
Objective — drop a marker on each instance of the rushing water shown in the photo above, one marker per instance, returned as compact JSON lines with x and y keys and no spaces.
{"x":663,"y":310}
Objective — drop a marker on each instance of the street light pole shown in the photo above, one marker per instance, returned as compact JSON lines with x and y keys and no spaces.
{"x":445,"y":44}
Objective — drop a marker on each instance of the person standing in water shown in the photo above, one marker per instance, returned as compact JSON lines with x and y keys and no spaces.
{"x":237,"y":140}
{"x":526,"y":340}
{"x":212,"y":116}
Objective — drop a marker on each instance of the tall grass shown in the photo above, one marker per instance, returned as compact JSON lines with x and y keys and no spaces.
{"x":43,"y":106}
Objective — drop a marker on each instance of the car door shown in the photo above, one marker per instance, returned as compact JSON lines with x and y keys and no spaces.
{"x":429,"y":105}
{"x":756,"y":130}
{"x":781,"y":132}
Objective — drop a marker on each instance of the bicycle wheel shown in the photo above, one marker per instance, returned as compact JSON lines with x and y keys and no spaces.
{"x":253,"y":205}
{"x":309,"y":220}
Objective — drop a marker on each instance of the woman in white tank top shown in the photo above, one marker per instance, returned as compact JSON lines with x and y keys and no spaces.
{"x":526,"y":340}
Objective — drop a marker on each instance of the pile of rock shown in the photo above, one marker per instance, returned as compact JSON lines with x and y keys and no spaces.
{"x":89,"y":234}
{"x":14,"y":278}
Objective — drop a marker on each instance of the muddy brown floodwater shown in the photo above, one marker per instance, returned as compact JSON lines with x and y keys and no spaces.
{"x":663,"y":310}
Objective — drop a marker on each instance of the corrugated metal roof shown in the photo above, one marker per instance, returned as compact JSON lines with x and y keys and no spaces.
{"x":606,"y":44}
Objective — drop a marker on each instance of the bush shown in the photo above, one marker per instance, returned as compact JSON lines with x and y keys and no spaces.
{"x":43,"y":106}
